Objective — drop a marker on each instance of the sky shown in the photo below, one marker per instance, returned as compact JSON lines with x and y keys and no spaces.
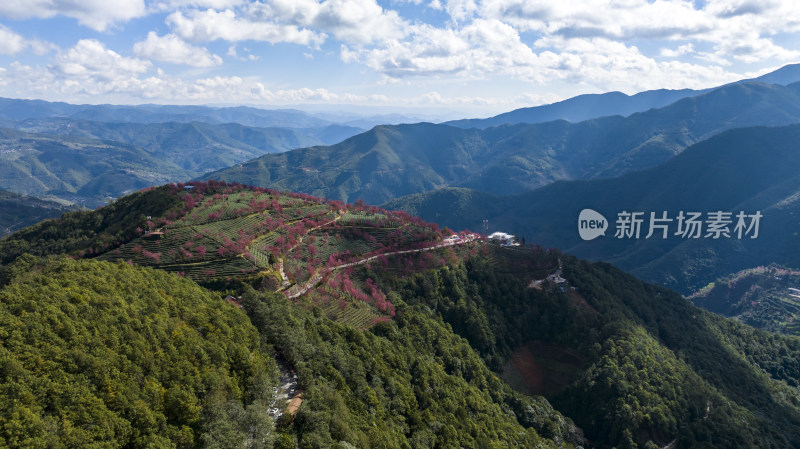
{"x":466,"y":58}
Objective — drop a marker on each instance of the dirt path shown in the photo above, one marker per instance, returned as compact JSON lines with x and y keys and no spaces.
{"x":285,"y":279}
{"x":297,"y":291}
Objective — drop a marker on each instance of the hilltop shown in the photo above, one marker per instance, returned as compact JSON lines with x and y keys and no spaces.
{"x":230,"y":238}
{"x":219,"y":234}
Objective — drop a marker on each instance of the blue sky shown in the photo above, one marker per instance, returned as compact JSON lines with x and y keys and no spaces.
{"x":469,"y":57}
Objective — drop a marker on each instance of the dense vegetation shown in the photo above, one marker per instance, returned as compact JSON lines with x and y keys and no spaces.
{"x":649,"y":368}
{"x":90,"y":232}
{"x":409,"y":383}
{"x":96,"y":352}
{"x":220,"y":235}
{"x":105,"y":355}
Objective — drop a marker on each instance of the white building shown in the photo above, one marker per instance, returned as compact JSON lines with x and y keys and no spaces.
{"x":502,"y":238}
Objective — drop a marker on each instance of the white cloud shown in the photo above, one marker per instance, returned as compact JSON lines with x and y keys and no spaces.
{"x":305,"y":22}
{"x":210,"y":25}
{"x":597,"y":45}
{"x":680,"y":51}
{"x":92,"y":68}
{"x":490,"y":48}
{"x":738,"y":29}
{"x":10,"y":42}
{"x":429,"y":52}
{"x":351,"y":21}
{"x":171,"y":5}
{"x":170,"y":48}
{"x":95,"y":14}
{"x":233,"y":53}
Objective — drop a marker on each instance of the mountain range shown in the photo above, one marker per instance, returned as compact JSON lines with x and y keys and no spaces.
{"x":92,"y":162}
{"x":392,"y":161}
{"x":766,"y":296}
{"x":20,"y":109}
{"x":748,"y":169}
{"x":589,"y":106}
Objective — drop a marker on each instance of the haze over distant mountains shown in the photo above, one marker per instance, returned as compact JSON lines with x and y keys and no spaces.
{"x":585,"y":107}
{"x":92,"y":153}
{"x":391,"y":161}
{"x":749,"y":169}
{"x":94,"y":161}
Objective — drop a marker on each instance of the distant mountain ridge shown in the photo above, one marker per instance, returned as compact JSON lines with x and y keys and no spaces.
{"x":391,"y":161}
{"x":197,"y":147}
{"x":20,"y":109}
{"x":48,"y":156}
{"x":589,"y":106}
{"x":583,"y":107}
{"x":78,"y":169}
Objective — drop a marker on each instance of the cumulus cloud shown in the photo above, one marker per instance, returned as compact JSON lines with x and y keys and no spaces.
{"x":486,"y":48}
{"x":351,"y":21}
{"x":10,"y":42}
{"x":738,"y":29}
{"x":210,"y":25}
{"x":171,"y":48}
{"x":305,"y":22}
{"x":598,"y":44}
{"x":94,"y":69}
{"x":171,"y":5}
{"x":680,"y":51}
{"x":588,"y":42}
{"x":95,"y":14}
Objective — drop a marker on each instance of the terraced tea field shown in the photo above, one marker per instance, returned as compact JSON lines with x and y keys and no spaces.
{"x":232,"y":233}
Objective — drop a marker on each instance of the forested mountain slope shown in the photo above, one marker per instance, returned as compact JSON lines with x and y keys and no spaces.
{"x":454,"y":321}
